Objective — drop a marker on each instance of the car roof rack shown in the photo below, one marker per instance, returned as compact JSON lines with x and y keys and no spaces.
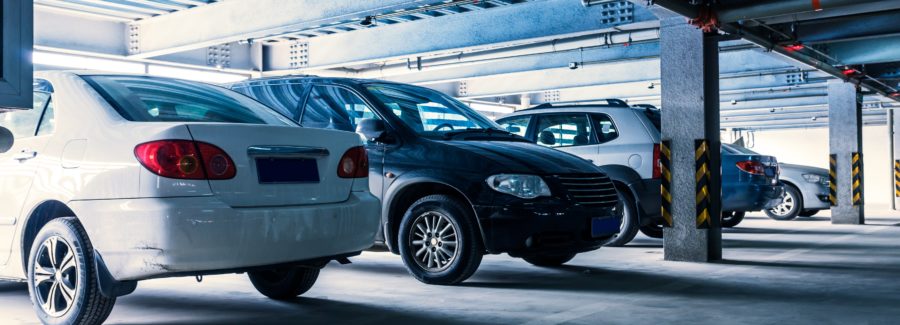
{"x":610,"y":102}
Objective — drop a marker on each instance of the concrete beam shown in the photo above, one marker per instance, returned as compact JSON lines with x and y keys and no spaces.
{"x":845,"y":143}
{"x":503,"y":26}
{"x":690,"y":74}
{"x":231,"y":21}
{"x":57,"y":30}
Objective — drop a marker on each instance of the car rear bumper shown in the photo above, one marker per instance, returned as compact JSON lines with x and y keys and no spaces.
{"x":522,"y":230}
{"x":752,"y":197}
{"x":146,"y":238}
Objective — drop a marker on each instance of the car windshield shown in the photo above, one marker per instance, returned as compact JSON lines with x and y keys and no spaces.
{"x":428,"y":112}
{"x":153,"y":99}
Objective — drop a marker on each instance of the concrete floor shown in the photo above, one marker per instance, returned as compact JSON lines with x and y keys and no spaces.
{"x":797,"y":272}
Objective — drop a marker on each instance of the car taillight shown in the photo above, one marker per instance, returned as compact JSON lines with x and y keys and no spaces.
{"x":185,"y":159}
{"x":752,"y":167}
{"x":354,"y":163}
{"x":657,"y":164}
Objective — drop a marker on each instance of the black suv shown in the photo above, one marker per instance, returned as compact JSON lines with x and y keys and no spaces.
{"x":454,"y":185}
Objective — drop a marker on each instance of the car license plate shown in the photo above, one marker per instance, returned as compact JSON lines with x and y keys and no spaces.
{"x":287,"y":170}
{"x":604,"y":226}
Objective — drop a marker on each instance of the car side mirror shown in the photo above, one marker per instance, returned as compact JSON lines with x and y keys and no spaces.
{"x":513,"y":129}
{"x":371,"y":129}
{"x":6,"y":139}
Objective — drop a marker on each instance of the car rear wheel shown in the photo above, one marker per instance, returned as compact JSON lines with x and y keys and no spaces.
{"x":808,"y":213}
{"x":438,"y":241}
{"x":549,"y":260}
{"x":630,"y":223}
{"x":732,"y":219}
{"x":284,"y":283}
{"x":62,"y":277}
{"x":790,"y":206}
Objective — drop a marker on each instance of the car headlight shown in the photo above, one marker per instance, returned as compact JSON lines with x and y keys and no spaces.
{"x":814,"y":178}
{"x":523,"y":186}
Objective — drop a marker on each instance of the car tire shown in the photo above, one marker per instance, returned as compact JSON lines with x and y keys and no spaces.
{"x":439,"y":241}
{"x":653,"y":230}
{"x":62,"y":276}
{"x":630,"y":220}
{"x":808,"y":213}
{"x":790,"y":206}
{"x":284,"y":283}
{"x":549,"y":260}
{"x":732,"y":219}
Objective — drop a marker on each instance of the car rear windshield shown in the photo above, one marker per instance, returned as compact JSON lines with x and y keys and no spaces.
{"x":153,"y":99}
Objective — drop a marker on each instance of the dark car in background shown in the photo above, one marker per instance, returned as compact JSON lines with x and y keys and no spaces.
{"x":453,"y":184}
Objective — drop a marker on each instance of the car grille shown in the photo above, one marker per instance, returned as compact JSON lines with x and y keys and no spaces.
{"x":590,"y":189}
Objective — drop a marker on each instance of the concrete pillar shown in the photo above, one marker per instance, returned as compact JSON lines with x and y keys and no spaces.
{"x":845,"y":140}
{"x":893,"y":122}
{"x":690,"y":111}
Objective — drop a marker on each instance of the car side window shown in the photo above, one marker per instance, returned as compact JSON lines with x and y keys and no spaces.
{"x":565,"y":130}
{"x":24,"y":123}
{"x":333,"y":107}
{"x":285,"y":98}
{"x":517,"y":125}
{"x":606,"y":128}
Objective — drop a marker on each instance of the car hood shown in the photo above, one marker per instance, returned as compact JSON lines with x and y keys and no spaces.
{"x":803,"y":169}
{"x":526,"y":157}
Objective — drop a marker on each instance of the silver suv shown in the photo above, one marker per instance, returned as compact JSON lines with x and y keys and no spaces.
{"x":629,"y":157}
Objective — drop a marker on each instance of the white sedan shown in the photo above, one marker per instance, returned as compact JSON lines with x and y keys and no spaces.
{"x":112,"y":179}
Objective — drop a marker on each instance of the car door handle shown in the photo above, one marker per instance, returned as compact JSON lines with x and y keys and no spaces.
{"x":25,"y":155}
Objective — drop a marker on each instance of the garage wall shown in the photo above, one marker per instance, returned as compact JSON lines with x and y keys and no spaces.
{"x":810,"y":147}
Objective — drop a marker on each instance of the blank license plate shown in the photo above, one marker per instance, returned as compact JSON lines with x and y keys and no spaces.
{"x":604,"y":226}
{"x":287,"y":170}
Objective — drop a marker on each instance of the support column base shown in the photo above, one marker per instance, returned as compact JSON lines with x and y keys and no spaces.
{"x":848,"y":215}
{"x":692,"y":245}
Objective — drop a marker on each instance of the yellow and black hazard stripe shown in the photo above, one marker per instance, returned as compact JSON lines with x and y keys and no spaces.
{"x":832,"y":180}
{"x":702,"y":176}
{"x":665,"y":169}
{"x":896,"y":178}
{"x":856,"y":161}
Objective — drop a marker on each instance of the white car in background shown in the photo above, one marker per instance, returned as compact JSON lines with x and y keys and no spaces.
{"x":112,"y":179}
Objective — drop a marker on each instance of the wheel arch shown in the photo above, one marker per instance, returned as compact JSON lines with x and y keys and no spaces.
{"x":401,"y":196}
{"x":41,"y":214}
{"x":799,"y":191}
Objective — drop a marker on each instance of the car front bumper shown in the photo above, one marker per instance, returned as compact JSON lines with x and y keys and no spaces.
{"x":522,"y":230}
{"x":815,"y":196}
{"x":146,"y":238}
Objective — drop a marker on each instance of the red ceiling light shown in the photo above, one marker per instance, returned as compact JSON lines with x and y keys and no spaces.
{"x":794,"y":47}
{"x":850,"y":72}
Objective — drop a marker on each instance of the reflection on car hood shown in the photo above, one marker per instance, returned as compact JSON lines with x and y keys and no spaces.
{"x":527,"y":157}
{"x":803,"y":169}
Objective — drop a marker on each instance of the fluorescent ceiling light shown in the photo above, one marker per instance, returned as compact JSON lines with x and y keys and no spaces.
{"x":193,"y":74}
{"x":85,"y":63}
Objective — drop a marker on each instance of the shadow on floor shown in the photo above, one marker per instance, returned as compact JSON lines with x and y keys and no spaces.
{"x":13,"y":287}
{"x":221,"y":310}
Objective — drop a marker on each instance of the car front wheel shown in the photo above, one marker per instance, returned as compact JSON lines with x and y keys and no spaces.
{"x":62,"y":277}
{"x":285,"y":282}
{"x":438,"y":241}
{"x":790,"y":207}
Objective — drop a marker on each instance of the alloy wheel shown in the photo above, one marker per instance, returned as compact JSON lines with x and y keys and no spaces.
{"x":435,"y":241}
{"x":786,"y":205}
{"x":55,"y":276}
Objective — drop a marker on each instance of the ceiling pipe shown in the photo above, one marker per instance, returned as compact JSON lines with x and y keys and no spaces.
{"x":773,"y":8}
